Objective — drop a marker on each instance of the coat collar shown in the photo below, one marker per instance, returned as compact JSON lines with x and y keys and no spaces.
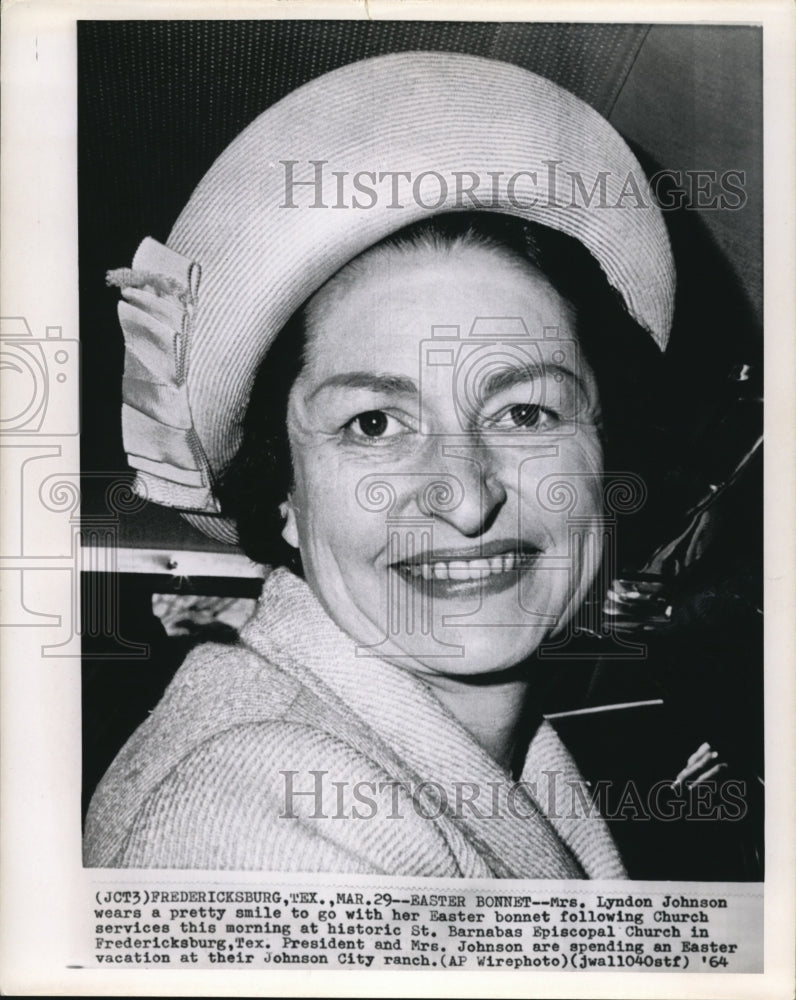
{"x":524,"y":829}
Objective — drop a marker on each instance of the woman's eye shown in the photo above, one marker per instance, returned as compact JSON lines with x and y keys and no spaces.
{"x":375,"y":424}
{"x":524,"y":416}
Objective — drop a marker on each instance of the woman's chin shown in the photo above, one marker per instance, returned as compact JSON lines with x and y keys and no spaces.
{"x":467,"y":653}
{"x":465,"y":635}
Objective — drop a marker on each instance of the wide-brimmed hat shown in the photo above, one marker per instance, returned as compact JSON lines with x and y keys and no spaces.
{"x":328,"y":171}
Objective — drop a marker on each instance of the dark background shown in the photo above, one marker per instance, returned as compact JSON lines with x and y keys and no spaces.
{"x":159,"y":101}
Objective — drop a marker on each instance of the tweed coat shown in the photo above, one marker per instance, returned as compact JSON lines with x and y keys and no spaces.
{"x":290,"y":752}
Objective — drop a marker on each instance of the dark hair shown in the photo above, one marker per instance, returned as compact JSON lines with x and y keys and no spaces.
{"x":622,"y":356}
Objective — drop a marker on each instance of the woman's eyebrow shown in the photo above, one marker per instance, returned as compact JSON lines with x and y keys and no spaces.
{"x":376,"y":382}
{"x":508,"y":378}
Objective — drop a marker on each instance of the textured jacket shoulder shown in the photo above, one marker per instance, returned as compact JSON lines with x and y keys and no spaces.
{"x":217,"y":689}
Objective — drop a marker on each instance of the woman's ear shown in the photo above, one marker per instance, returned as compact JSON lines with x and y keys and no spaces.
{"x":290,"y":527}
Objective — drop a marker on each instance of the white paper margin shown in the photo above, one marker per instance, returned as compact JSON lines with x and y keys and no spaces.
{"x":42,"y":876}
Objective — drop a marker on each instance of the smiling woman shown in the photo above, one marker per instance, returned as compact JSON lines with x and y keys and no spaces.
{"x":356,"y":413}
{"x":402,"y":409}
{"x":460,"y":447}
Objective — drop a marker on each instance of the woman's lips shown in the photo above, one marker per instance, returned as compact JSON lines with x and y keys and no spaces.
{"x":456,"y":574}
{"x":463,"y":569}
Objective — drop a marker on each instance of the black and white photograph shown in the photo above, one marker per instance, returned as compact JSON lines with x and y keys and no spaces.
{"x":422,"y":342}
{"x":414,"y":562}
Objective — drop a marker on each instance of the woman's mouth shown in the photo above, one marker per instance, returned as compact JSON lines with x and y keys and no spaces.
{"x":457,"y":574}
{"x":462,"y":569}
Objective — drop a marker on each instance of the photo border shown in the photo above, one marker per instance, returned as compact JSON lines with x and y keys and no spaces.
{"x":42,"y":878}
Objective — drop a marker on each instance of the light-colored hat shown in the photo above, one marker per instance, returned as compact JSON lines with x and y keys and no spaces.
{"x":319,"y":177}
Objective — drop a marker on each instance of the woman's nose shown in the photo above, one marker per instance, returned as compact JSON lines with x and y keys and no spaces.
{"x":479,"y":493}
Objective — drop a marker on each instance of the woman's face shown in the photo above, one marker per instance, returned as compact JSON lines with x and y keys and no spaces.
{"x":447,"y":493}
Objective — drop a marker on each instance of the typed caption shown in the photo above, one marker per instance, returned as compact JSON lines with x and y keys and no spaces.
{"x":675,"y":927}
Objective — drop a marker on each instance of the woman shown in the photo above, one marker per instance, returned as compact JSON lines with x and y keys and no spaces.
{"x":408,"y":386}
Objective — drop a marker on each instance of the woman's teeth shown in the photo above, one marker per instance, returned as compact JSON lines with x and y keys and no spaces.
{"x":464,"y":569}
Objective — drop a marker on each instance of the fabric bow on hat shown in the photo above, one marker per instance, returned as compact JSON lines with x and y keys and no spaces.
{"x":159,"y":294}
{"x":191,"y":364}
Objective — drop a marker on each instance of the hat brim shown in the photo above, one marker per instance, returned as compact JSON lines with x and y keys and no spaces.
{"x":267,"y":225}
